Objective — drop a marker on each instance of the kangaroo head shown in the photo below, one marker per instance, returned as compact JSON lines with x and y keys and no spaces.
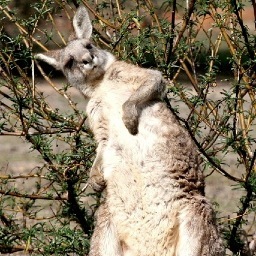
{"x":81,"y":62}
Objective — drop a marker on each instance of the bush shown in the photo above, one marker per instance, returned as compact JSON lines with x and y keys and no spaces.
{"x":204,"y":48}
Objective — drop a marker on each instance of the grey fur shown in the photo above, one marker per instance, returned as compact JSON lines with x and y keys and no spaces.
{"x":154,"y":201}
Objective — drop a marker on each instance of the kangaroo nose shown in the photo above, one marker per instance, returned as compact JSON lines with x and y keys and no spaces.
{"x":85,"y":62}
{"x":87,"y":58}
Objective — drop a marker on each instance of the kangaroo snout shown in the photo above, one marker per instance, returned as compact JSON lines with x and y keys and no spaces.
{"x":87,"y":58}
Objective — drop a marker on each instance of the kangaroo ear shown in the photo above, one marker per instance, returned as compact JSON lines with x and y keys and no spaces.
{"x":52,"y":58}
{"x":82,"y":23}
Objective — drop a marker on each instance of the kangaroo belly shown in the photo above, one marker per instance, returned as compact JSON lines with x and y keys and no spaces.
{"x":140,"y":195}
{"x":149,"y":178}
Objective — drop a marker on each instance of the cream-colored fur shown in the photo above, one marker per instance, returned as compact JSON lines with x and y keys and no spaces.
{"x":154,"y":202}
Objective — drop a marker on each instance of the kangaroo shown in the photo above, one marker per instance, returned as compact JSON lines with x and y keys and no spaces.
{"x":146,"y":162}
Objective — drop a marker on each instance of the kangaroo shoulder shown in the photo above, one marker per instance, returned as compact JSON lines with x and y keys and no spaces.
{"x":121,"y":70}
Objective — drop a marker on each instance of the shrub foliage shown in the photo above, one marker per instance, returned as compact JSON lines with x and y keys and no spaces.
{"x":200,"y":46}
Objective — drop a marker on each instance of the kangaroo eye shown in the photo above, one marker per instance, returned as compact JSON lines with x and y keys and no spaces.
{"x":70,"y":63}
{"x":88,"y":46}
{"x":85,"y":62}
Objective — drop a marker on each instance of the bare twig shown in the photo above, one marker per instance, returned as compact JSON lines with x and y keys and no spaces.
{"x":33,"y":196}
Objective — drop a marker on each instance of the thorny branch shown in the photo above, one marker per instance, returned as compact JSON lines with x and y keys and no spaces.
{"x":200,"y":148}
{"x":64,"y":164}
{"x":32,"y":196}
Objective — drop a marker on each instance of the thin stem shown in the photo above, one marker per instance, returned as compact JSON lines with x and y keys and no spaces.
{"x":186,"y":20}
{"x":254,"y":12}
{"x":238,"y":246}
{"x":28,"y":196}
{"x":76,"y":208}
{"x":171,"y":38}
{"x":202,"y":151}
{"x":22,"y":30}
{"x":88,"y":6}
{"x":244,"y":31}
